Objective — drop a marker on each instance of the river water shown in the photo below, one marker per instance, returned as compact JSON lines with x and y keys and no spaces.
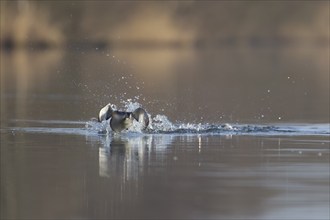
{"x":226,"y":141}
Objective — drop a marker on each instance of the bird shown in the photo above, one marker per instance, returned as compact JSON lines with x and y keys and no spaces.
{"x":121,"y":120}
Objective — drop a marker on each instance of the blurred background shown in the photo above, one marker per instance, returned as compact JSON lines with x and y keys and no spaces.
{"x":194,"y":61}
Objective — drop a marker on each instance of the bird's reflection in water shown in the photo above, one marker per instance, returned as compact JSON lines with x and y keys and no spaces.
{"x":127,"y":156}
{"x":126,"y":162}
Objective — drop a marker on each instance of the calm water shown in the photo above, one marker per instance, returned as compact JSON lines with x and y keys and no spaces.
{"x":53,"y":173}
{"x":272,"y":164}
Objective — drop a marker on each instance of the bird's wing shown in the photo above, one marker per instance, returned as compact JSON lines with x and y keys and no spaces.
{"x":141,"y":116}
{"x":105,"y":113}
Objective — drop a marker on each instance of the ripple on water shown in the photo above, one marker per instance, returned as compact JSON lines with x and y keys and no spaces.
{"x":160,"y":124}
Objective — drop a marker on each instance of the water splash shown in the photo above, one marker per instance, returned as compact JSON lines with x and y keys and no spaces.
{"x":94,"y":126}
{"x":160,"y":124}
{"x":130,"y":105}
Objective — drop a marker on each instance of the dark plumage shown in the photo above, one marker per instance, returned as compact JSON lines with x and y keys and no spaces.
{"x":123,"y":120}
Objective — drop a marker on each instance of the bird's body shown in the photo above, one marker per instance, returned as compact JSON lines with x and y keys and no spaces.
{"x":123,"y":120}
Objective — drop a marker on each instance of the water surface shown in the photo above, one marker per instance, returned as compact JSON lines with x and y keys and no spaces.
{"x":270,"y":162}
{"x":67,"y":169}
